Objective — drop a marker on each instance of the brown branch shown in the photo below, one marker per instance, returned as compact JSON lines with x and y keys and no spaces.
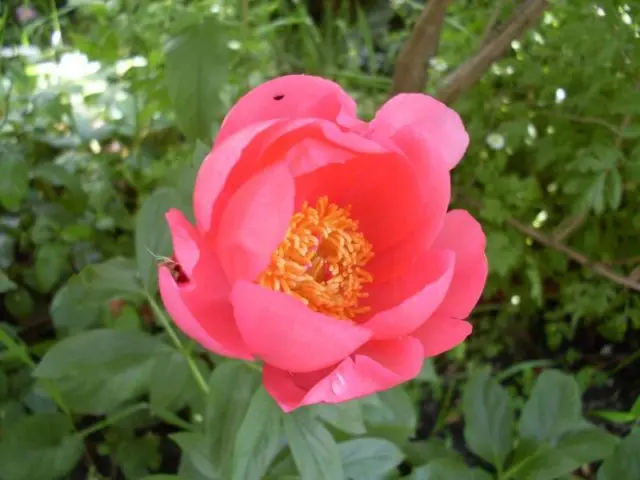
{"x":596,"y":267}
{"x":411,"y":69}
{"x":624,"y":261}
{"x":491,"y":30}
{"x":581,"y":119}
{"x":467,"y":74}
{"x":568,"y":226}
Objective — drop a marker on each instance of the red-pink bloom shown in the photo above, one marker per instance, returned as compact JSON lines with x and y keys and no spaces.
{"x":323,"y":246}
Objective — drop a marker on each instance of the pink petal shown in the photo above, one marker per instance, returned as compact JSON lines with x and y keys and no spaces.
{"x":216,"y":168}
{"x":463,"y":234}
{"x":283,"y":332}
{"x":215,"y":331}
{"x":440,"y":334}
{"x":382,"y":191}
{"x":427,"y":116}
{"x":411,"y":299}
{"x":375,"y":367}
{"x":185,"y":240}
{"x":255,"y":222}
{"x":234,"y":161}
{"x":428,"y":212}
{"x":291,"y":96}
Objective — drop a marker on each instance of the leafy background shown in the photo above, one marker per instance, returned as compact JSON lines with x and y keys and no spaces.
{"x":107,"y":109}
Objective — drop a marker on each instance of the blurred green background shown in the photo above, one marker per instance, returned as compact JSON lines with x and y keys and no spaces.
{"x":105,"y":104}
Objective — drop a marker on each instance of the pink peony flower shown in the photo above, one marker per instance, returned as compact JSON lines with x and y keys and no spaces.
{"x":323,"y":246}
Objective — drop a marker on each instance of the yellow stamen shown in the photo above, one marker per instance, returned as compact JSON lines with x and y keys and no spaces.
{"x":321,"y":261}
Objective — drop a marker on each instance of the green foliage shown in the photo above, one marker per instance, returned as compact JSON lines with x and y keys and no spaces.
{"x":196,"y":68}
{"x":98,"y":370}
{"x":40,"y":446}
{"x":314,"y":450}
{"x":490,"y":419}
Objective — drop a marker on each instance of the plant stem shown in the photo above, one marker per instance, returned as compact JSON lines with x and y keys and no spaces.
{"x":96,"y":427}
{"x":166,"y":324}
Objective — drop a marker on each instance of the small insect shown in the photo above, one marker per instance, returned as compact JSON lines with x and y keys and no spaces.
{"x":174,"y":268}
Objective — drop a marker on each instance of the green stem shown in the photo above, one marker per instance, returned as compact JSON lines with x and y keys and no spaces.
{"x":444,"y":408}
{"x":172,"y":419}
{"x":107,"y":422}
{"x":54,"y":17}
{"x":166,"y":324}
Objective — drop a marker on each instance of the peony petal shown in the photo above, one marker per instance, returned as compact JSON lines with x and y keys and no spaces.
{"x":410,"y":300}
{"x":217,"y":166}
{"x":377,"y":366}
{"x":463,"y":234}
{"x":382,"y":191}
{"x":215,"y":334}
{"x":440,"y":334}
{"x":427,"y":116}
{"x":255,"y":222}
{"x":290,"y":96}
{"x":428,"y":213}
{"x":233,"y":162}
{"x":185,"y":240}
{"x":283,"y":332}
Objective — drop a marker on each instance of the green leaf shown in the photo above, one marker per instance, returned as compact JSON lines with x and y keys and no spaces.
{"x":595,"y":194}
{"x":39,"y":446}
{"x":346,"y":416}
{"x":196,"y":450}
{"x":489,"y":418}
{"x":79,"y":303}
{"x":185,"y":178}
{"x":428,"y":372}
{"x":196,"y":70}
{"x":367,"y":458}
{"x":314,"y":450}
{"x":635,"y":409}
{"x":624,"y":464}
{"x":51,"y":261}
{"x":14,"y":181}
{"x":632,"y":131}
{"x":98,"y":370}
{"x":614,"y":189}
{"x":573,"y":450}
{"x":19,"y":303}
{"x":6,"y":284}
{"x":231,"y":388}
{"x":57,"y":176}
{"x":137,"y":455}
{"x":162,"y":477}
{"x":444,"y":469}
{"x":152,"y":238}
{"x":4,"y":385}
{"x":424,"y":451}
{"x":390,"y":414}
{"x":259,"y":438}
{"x":174,"y":394}
{"x":553,"y":408}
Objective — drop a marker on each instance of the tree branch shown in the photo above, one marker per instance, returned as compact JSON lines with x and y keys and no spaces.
{"x":490,"y":30}
{"x":596,"y":267}
{"x":411,"y":69}
{"x":473,"y":69}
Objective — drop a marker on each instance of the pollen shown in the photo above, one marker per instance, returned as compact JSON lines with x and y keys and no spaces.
{"x":322,"y":261}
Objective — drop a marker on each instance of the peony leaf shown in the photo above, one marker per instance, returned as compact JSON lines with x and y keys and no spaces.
{"x":489,"y":418}
{"x":152,"y":238}
{"x":196,"y":70}
{"x":314,"y":450}
{"x":259,"y":438}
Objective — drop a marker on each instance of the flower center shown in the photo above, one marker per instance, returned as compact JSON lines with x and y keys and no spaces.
{"x":321,"y":261}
